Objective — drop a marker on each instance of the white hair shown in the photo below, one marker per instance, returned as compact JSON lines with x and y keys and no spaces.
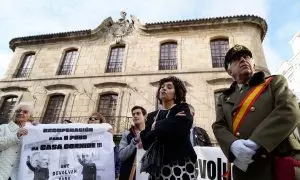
{"x":26,"y":105}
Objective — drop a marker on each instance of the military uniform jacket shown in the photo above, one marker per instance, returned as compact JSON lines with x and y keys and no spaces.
{"x":271,"y":119}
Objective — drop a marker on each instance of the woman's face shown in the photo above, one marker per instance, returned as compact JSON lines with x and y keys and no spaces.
{"x":94,"y":120}
{"x":22,"y":115}
{"x":167,"y":92}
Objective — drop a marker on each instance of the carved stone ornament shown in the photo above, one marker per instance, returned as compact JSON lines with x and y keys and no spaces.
{"x":121,"y":27}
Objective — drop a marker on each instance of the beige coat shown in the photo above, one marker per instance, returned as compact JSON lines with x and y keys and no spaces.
{"x":9,"y":151}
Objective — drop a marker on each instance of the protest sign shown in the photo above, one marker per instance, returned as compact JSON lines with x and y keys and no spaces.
{"x":67,"y":152}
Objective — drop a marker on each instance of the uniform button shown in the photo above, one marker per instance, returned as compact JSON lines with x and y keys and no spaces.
{"x":252,"y":108}
{"x":12,"y":165}
{"x":237,"y":134}
{"x":263,"y":156}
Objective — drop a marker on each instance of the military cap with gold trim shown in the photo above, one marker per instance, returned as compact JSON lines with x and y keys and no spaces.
{"x":236,"y":49}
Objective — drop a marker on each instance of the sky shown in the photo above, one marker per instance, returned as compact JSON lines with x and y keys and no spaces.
{"x":34,"y":17}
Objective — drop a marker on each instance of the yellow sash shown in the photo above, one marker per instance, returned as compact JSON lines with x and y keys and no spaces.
{"x":243,"y":110}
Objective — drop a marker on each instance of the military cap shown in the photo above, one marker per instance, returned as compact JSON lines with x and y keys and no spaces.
{"x":235,"y":50}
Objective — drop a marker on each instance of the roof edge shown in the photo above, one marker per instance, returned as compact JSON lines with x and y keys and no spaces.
{"x":61,"y":36}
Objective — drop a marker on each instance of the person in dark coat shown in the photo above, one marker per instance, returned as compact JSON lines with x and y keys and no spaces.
{"x":41,"y":171}
{"x":170,"y":126}
{"x":198,"y":136}
{"x":89,"y":169}
{"x":117,"y":161}
{"x":264,"y":133}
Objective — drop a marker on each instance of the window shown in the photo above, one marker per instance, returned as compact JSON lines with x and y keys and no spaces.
{"x":168,"y":57}
{"x":115,"y":59}
{"x":6,"y":108}
{"x":53,"y":109}
{"x":25,"y":66}
{"x":68,"y":63}
{"x":107,"y":107}
{"x":219,"y":48}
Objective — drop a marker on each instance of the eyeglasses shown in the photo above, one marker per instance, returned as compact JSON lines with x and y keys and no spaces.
{"x":21,"y":110}
{"x":93,"y":119}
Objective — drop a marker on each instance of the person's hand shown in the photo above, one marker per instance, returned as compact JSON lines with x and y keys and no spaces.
{"x":251,"y":144}
{"x":111,"y":131}
{"x":140,"y":145}
{"x":22,"y":132}
{"x":242,"y":166}
{"x":242,"y":152}
{"x":137,"y":137}
{"x":181,"y":113}
{"x":34,"y":122}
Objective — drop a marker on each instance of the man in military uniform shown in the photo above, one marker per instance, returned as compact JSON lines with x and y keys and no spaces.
{"x":265,"y":129}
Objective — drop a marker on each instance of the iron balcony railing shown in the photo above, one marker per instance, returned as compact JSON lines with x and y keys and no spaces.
{"x":170,"y":64}
{"x":114,"y":67}
{"x":22,"y":73}
{"x":66,"y":70}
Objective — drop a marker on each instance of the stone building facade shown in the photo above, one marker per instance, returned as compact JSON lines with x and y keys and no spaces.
{"x":118,"y":65}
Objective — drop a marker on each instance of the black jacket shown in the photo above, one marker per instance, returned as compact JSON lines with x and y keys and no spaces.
{"x":173,"y":132}
{"x":200,"y":137}
{"x":39,"y":172}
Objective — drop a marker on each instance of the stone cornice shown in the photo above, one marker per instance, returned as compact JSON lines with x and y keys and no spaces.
{"x":13,"y":88}
{"x":121,"y":74}
{"x":111,"y":84}
{"x":48,"y":38}
{"x":219,"y":80}
{"x":108,"y":23}
{"x":60,"y":86}
{"x":247,"y":19}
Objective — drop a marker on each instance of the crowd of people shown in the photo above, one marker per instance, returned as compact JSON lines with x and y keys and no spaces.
{"x":256,"y":118}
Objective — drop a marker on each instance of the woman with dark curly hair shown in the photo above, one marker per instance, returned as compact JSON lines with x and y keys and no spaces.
{"x":170,"y":127}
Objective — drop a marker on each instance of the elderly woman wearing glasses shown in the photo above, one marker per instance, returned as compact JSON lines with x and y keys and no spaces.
{"x":10,"y":135}
{"x":97,"y":118}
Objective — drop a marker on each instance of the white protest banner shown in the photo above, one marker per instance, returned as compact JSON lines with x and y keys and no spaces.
{"x":139,"y":155}
{"x":211,"y":163}
{"x":67,"y":152}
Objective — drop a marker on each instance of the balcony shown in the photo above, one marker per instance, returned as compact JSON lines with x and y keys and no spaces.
{"x":114,"y":67}
{"x":119,"y":123}
{"x":66,"y":70}
{"x":22,"y":73}
{"x":168,"y":65}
